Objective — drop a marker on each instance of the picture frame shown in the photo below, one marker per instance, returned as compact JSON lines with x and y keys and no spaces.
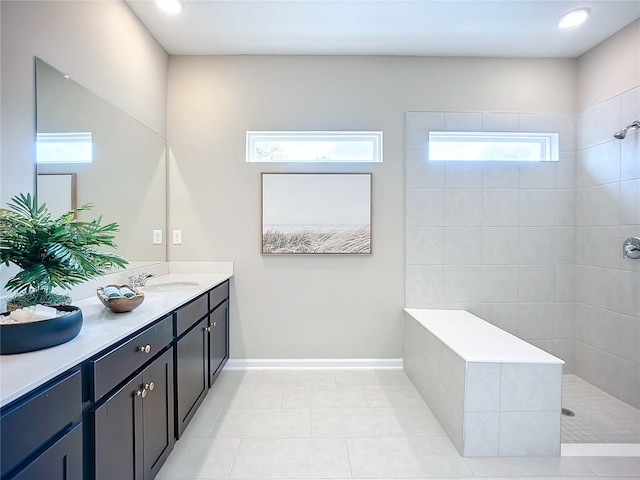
{"x":316,"y":213}
{"x":58,"y":191}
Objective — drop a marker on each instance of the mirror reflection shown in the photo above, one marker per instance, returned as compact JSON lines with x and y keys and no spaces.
{"x":89,"y":151}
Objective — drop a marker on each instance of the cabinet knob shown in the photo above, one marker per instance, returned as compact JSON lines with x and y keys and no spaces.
{"x":142,"y":393}
{"x":214,"y":324}
{"x":207,"y":329}
{"x":144,"y":349}
{"x":149,"y":386}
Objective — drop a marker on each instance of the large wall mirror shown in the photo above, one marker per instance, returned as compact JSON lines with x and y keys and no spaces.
{"x":89,"y":151}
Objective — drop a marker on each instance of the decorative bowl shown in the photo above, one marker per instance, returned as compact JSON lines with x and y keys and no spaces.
{"x":30,"y":336}
{"x":121,"y":304}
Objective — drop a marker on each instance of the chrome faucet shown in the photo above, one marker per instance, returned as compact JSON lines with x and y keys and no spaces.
{"x":140,"y":280}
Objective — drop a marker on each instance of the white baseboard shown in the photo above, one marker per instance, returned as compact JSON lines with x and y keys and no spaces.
{"x":600,"y":450}
{"x":312,"y":363}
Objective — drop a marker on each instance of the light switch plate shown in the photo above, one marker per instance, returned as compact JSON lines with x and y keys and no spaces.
{"x":157,"y":237}
{"x":177,"y":237}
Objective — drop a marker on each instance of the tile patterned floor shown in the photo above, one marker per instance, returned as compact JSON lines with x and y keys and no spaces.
{"x":318,"y":424}
{"x":600,"y":418}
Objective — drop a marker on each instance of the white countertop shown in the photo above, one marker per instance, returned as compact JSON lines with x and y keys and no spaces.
{"x":476,"y":340}
{"x":23,"y":372}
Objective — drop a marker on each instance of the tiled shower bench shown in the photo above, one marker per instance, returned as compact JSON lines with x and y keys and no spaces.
{"x":493,"y":393}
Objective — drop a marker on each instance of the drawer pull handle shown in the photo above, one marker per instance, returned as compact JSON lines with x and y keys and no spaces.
{"x":145,"y":349}
{"x":142,"y":393}
{"x":149,"y":386}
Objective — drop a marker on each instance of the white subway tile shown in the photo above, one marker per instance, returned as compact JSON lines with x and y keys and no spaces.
{"x":424,"y":284}
{"x":421,"y":173}
{"x":537,"y":122}
{"x":565,"y":283}
{"x":600,"y":164}
{"x":630,"y":202}
{"x":481,"y":434}
{"x":425,"y":207}
{"x":536,"y":283}
{"x":462,"y":207}
{"x":597,"y":124}
{"x":565,"y":208}
{"x":535,"y":320}
{"x":500,"y":245}
{"x":565,"y":174}
{"x":537,"y":207}
{"x":564,"y":320}
{"x":566,"y":245}
{"x":537,"y":246}
{"x":530,"y":387}
{"x":530,"y":433}
{"x":417,"y":126}
{"x":462,"y":245}
{"x":500,"y":175}
{"x":537,"y":174}
{"x":500,"y":283}
{"x":462,"y":174}
{"x":424,"y":245}
{"x":567,"y":126}
{"x":599,"y":205}
{"x":630,"y":158}
{"x":462,"y":283}
{"x":482,"y":387}
{"x":500,"y":208}
{"x":463,"y":121}
{"x":499,"y":122}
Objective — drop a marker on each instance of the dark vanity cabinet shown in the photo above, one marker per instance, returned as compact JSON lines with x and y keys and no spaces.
{"x":117,"y":415}
{"x":41,"y":435}
{"x":191,"y":356}
{"x":218,"y":330}
{"x":133,"y":423}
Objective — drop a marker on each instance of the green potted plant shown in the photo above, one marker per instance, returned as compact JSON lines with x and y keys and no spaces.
{"x":53,"y":253}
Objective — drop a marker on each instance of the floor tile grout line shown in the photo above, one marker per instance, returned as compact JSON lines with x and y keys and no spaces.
{"x":346,"y":446}
{"x":235,"y":456}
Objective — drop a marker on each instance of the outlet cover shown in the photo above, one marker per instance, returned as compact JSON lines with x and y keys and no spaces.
{"x":157,"y":237}
{"x":177,"y":237}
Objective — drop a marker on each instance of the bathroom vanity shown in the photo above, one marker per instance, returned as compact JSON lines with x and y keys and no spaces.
{"x":111,"y":403}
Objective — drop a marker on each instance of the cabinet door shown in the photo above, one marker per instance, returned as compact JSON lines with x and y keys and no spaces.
{"x":61,"y":461}
{"x":218,"y":340}
{"x":158,"y":414}
{"x":191,"y":372}
{"x":118,"y":434}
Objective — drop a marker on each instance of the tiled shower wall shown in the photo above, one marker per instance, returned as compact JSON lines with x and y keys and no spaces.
{"x":497,"y":239}
{"x":607,"y":352}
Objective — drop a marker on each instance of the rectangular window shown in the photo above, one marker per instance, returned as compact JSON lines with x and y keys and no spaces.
{"x":313,"y":147}
{"x":493,"y":146}
{"x":64,"y":147}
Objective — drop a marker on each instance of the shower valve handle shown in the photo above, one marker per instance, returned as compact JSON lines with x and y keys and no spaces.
{"x":631,"y":248}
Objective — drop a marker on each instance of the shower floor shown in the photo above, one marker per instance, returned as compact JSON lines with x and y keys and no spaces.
{"x":599,"y":417}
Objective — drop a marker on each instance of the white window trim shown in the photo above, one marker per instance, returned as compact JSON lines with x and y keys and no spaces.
{"x":64,"y":147}
{"x":548,"y":144}
{"x":254,"y":138}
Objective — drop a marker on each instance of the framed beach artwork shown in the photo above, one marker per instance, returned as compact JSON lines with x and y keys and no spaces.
{"x":316,"y":213}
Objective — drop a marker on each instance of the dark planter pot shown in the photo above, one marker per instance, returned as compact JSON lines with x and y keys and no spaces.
{"x":27,"y":337}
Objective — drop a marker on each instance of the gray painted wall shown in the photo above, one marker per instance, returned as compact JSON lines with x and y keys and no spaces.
{"x":319,"y":307}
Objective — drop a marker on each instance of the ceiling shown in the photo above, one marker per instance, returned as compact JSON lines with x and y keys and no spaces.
{"x":507,"y":28}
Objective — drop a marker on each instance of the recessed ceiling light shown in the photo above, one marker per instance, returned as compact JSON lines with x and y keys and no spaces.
{"x":170,"y":6}
{"x":574,"y":18}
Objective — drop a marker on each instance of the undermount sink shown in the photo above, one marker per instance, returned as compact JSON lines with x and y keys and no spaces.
{"x":169,"y":286}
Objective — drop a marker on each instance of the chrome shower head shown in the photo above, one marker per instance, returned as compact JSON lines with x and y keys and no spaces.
{"x":620,"y":134}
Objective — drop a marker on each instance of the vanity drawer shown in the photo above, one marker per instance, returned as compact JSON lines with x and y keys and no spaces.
{"x":218,"y":295}
{"x":35,"y":421}
{"x":189,"y":315}
{"x":117,"y":364}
